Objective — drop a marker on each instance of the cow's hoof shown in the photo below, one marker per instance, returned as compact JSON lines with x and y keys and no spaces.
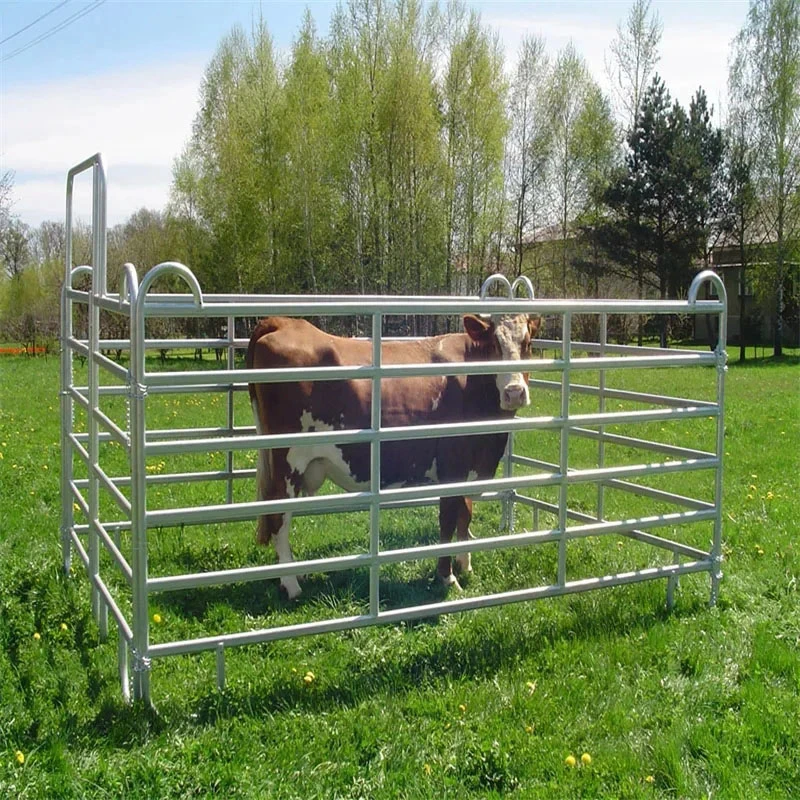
{"x":450,"y":582}
{"x":290,"y":588}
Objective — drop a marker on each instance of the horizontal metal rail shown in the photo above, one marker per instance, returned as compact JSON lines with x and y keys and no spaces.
{"x":115,"y":369}
{"x":383,"y":557}
{"x":122,"y":502}
{"x":98,"y":582}
{"x":621,"y":394}
{"x":418,"y":612}
{"x":112,"y":429}
{"x":366,"y":372}
{"x":113,"y":550}
{"x":641,"y":444}
{"x":182,"y":305}
{"x":360,"y":501}
{"x":658,"y":494}
{"x":632,"y":532}
{"x":403,"y":433}
{"x":621,"y":349}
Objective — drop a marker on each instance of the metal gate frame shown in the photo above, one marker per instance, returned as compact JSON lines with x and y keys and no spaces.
{"x":136,"y":304}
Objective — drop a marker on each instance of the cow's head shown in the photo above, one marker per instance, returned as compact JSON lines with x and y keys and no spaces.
{"x":508,"y":338}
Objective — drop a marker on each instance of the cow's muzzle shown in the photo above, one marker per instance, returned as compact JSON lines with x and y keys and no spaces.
{"x":514,"y":396}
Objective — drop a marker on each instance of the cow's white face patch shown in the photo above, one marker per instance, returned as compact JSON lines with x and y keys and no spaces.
{"x":511,"y":332}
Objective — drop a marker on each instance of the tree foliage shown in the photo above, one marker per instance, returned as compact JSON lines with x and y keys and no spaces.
{"x":765,"y":83}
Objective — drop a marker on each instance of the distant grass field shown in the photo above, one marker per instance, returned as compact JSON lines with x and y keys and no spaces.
{"x":695,"y":703}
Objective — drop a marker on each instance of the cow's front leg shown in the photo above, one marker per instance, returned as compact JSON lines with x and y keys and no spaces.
{"x":464,"y":560}
{"x":449,"y":513}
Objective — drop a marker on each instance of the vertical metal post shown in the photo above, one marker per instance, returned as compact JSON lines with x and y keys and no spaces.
{"x":601,"y":445}
{"x":137,"y":391}
{"x":566,"y":355}
{"x":230,"y":365}
{"x":375,"y":468}
{"x":721,"y":358}
{"x":94,"y":402}
{"x":122,"y":667}
{"x":67,"y":418}
{"x":722,"y":368}
{"x":507,"y":517}
{"x":221,"y":666}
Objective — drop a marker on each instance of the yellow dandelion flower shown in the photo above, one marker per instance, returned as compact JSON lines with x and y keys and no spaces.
{"x":650,"y":779}
{"x":37,"y":636}
{"x":44,"y":466}
{"x":462,"y":708}
{"x":426,"y":768}
{"x":753,"y":488}
{"x":770,"y":495}
{"x":570,"y":760}
{"x":308,"y":679}
{"x":19,"y":757}
{"x":529,"y":729}
{"x":531,"y":686}
{"x":63,"y":626}
{"x":310,"y":674}
{"x":586,"y":759}
{"x":157,"y":618}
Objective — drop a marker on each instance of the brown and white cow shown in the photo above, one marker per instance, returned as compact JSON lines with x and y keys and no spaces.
{"x":335,"y":405}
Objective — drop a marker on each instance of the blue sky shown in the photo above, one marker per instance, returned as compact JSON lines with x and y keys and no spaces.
{"x":124,"y":78}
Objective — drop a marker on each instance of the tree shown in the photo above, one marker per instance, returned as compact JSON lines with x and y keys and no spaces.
{"x":475,"y":126}
{"x":597,"y":146}
{"x":705,"y":156}
{"x":765,"y":81}
{"x":740,"y":214}
{"x":14,"y":247}
{"x":660,"y":201}
{"x":528,"y":144}
{"x":635,"y":55}
{"x":308,"y":212}
{"x":568,"y":95}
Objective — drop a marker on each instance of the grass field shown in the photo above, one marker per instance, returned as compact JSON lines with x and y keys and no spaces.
{"x":694,"y":703}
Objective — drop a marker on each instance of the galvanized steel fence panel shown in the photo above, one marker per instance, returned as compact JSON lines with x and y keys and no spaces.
{"x":135,"y":303}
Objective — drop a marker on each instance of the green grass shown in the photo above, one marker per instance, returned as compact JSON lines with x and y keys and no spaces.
{"x":695,"y":703}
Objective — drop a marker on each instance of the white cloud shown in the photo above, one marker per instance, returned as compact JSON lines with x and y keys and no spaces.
{"x":138,"y":118}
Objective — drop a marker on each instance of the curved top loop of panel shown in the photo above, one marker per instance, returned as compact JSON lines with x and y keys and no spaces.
{"x":700,"y":279}
{"x":496,"y":278}
{"x":129,"y":285}
{"x":169,"y":268}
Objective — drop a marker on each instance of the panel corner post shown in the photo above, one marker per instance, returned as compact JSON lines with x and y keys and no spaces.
{"x":137,"y":394}
{"x":566,"y":356}
{"x":375,"y":467}
{"x":721,"y":353}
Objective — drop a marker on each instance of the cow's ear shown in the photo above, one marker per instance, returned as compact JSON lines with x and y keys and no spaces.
{"x":476,"y":327}
{"x":534,"y":323}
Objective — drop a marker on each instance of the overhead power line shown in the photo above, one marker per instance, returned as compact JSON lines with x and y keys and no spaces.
{"x":31,"y":24}
{"x":55,"y":29}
